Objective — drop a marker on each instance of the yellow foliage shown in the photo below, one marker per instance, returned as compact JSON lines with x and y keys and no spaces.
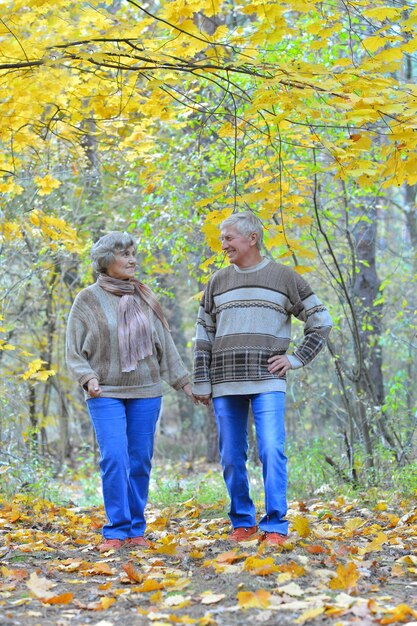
{"x":34,"y":371}
{"x":46,"y":184}
{"x":10,"y":231}
{"x":55,"y":229}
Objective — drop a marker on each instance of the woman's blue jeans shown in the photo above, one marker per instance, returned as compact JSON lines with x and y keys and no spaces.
{"x":125,"y":431}
{"x":232,"y":422}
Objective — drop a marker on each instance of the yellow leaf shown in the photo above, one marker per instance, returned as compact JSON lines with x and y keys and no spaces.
{"x":399,"y":614}
{"x":346,"y":578}
{"x":258,"y":599}
{"x":150,"y":584}
{"x":374,"y":545}
{"x":309,"y":615}
{"x":383,"y":13}
{"x":106,"y":603}
{"x":373,"y":42}
{"x":301,"y":526}
{"x":260,"y":567}
{"x":355,"y":523}
{"x":168,"y":546}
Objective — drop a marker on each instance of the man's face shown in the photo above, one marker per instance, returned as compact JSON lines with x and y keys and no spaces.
{"x":237,"y":247}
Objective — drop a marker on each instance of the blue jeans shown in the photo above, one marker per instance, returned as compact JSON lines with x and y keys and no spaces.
{"x":232,"y":422}
{"x":125,"y":431}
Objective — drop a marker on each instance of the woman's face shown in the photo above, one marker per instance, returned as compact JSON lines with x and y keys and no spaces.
{"x":124,"y":264}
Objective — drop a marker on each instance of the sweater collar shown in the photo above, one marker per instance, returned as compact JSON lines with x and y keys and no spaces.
{"x":253,"y":268}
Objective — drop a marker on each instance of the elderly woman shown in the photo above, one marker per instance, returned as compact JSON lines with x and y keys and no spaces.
{"x":119,"y":348}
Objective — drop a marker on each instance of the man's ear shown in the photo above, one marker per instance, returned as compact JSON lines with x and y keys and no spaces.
{"x":253,"y":239}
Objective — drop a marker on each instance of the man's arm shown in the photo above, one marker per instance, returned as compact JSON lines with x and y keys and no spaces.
{"x":205,"y":333}
{"x":317,"y":324}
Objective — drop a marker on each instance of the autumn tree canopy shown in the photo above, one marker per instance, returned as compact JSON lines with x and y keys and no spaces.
{"x":302,"y":85}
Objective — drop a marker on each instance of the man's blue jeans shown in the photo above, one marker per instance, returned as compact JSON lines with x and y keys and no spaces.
{"x":232,"y":422}
{"x":125,"y":431}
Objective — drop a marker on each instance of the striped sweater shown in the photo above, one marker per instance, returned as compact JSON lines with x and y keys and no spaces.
{"x":244,"y":318}
{"x":92,"y":349}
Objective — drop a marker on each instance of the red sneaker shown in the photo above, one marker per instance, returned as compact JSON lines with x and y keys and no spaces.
{"x":243,"y":534}
{"x":138,"y":541}
{"x":273,"y":539}
{"x":110,"y":544}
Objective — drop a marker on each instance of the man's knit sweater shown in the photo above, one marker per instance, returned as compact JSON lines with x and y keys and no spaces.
{"x":244,"y":319}
{"x":92,"y":349}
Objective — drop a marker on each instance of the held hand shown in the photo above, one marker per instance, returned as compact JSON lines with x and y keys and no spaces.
{"x":279,"y":364}
{"x":93,"y":388}
{"x":188,"y":392}
{"x":204,"y":399}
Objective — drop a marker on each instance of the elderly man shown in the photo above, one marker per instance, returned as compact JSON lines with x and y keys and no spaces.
{"x":241,"y":360}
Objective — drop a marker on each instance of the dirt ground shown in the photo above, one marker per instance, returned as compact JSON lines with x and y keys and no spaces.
{"x":344,"y":563}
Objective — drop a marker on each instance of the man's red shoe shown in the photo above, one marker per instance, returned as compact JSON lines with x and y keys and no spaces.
{"x":273,"y":539}
{"x":243,"y":534}
{"x":138,"y":542}
{"x":110,"y":544}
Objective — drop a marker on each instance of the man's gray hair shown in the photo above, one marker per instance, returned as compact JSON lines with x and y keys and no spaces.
{"x":104,"y":250}
{"x":246,"y":223}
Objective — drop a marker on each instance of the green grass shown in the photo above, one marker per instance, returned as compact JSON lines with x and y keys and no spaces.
{"x":172,"y":483}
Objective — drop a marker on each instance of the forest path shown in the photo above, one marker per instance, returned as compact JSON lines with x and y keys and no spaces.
{"x":346,"y":562}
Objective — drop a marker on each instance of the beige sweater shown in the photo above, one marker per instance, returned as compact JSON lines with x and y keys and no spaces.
{"x":244,"y":319}
{"x":92,"y":350}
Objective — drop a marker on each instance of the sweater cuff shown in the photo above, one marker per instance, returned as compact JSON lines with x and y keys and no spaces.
{"x":180,"y":383}
{"x":202,"y":389}
{"x":295,"y":362}
{"x":86,"y":377}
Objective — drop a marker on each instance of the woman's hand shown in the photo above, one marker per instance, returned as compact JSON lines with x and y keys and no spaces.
{"x":93,"y":388}
{"x":189,"y":392}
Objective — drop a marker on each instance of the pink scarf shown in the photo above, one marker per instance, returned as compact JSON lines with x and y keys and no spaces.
{"x":133,"y":326}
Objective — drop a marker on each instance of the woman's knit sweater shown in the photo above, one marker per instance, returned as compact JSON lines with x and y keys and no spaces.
{"x":245,"y":318}
{"x":92,"y":349}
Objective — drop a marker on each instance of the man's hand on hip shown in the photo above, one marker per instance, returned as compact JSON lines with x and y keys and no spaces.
{"x":279,"y":364}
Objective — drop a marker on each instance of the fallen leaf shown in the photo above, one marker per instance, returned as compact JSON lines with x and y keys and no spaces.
{"x":63,"y":598}
{"x":40,"y":587}
{"x":132,"y":572}
{"x":346,"y":577}
{"x":211,"y":598}
{"x":309,"y":614}
{"x":301,"y":525}
{"x":260,"y":567}
{"x":292,"y":589}
{"x":250,"y":599}
{"x":398,"y":614}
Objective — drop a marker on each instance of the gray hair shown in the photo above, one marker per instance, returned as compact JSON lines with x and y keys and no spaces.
{"x":246,"y":223}
{"x":104,"y":250}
